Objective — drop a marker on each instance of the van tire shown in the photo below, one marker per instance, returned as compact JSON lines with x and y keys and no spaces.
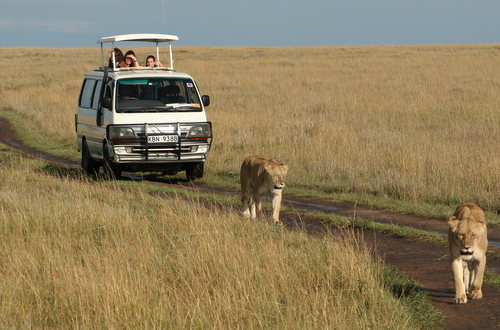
{"x":89,"y":165}
{"x":195,"y":171}
{"x":111,"y":170}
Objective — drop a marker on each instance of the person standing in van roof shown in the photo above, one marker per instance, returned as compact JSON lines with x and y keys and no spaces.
{"x":130,"y":60}
{"x":118,"y":58}
{"x":152,"y":62}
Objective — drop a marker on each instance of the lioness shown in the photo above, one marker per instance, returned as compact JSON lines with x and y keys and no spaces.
{"x":259,"y":176}
{"x":468,"y":243}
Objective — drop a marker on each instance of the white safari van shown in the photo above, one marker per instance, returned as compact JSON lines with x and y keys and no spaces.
{"x":142,"y":119}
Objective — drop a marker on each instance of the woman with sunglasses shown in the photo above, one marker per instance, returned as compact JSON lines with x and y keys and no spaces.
{"x":130,"y":60}
{"x":118,"y":58}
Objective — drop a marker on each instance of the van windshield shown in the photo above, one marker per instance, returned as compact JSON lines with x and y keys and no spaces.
{"x":156,"y":95}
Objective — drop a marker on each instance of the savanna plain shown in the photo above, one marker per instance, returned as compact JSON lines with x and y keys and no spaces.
{"x":412,"y":128}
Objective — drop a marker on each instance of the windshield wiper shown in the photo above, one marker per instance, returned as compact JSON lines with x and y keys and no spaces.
{"x":148,"y":109}
{"x":185,"y":106}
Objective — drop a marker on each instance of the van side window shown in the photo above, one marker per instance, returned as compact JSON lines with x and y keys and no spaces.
{"x":97,"y":94}
{"x":87,"y":93}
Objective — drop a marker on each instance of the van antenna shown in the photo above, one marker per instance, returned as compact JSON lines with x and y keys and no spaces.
{"x":164,"y":19}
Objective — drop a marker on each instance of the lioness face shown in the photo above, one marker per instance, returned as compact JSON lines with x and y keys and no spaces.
{"x":467,"y":235}
{"x":277,"y":180}
{"x":277,"y":175}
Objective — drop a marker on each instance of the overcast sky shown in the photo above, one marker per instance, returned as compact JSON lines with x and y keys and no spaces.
{"x":71,"y":23}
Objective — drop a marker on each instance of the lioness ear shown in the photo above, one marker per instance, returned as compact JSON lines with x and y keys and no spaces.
{"x":263,"y":167}
{"x":478,"y":221}
{"x":270,"y":163}
{"x":453,"y":222}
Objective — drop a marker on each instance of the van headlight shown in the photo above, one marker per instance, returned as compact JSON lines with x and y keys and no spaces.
{"x":199,"y":132}
{"x":117,"y":133}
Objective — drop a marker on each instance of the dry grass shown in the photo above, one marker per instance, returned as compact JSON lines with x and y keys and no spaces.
{"x":78,"y":254}
{"x":417,"y":123}
{"x":414,"y":123}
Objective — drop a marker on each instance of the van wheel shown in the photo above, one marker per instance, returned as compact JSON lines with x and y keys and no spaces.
{"x":111,"y":170}
{"x":195,"y":171}
{"x":89,"y":165}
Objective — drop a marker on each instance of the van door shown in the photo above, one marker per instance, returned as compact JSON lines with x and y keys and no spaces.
{"x":87,"y":130}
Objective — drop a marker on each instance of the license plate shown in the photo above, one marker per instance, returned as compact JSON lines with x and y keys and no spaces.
{"x":163,"y":138}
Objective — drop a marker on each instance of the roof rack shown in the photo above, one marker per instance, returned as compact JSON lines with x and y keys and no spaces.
{"x":143,"y":37}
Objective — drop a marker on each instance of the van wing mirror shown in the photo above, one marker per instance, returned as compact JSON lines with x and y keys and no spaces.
{"x":206,"y":100}
{"x":106,"y":102}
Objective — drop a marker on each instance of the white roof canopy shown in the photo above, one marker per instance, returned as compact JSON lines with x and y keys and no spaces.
{"x":149,"y":37}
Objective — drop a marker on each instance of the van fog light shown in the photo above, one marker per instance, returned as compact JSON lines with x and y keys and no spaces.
{"x":123,"y":150}
{"x":202,"y":149}
{"x":120,"y":150}
{"x":194,"y":148}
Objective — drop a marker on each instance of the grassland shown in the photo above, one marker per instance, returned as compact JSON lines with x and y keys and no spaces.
{"x":417,"y":124}
{"x":413,"y":126}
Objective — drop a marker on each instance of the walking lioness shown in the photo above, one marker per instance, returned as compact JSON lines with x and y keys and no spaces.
{"x":259,"y":176}
{"x":468,"y":243}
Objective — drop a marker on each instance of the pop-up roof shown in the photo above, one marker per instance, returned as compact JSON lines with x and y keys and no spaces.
{"x":142,"y":37}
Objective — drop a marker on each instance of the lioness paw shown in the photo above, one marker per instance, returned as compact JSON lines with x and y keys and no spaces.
{"x":476,"y":294}
{"x":462,"y":299}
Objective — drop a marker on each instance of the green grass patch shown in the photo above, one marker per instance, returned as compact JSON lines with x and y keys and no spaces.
{"x":408,"y":291}
{"x":29,"y":133}
{"x":491,"y":279}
